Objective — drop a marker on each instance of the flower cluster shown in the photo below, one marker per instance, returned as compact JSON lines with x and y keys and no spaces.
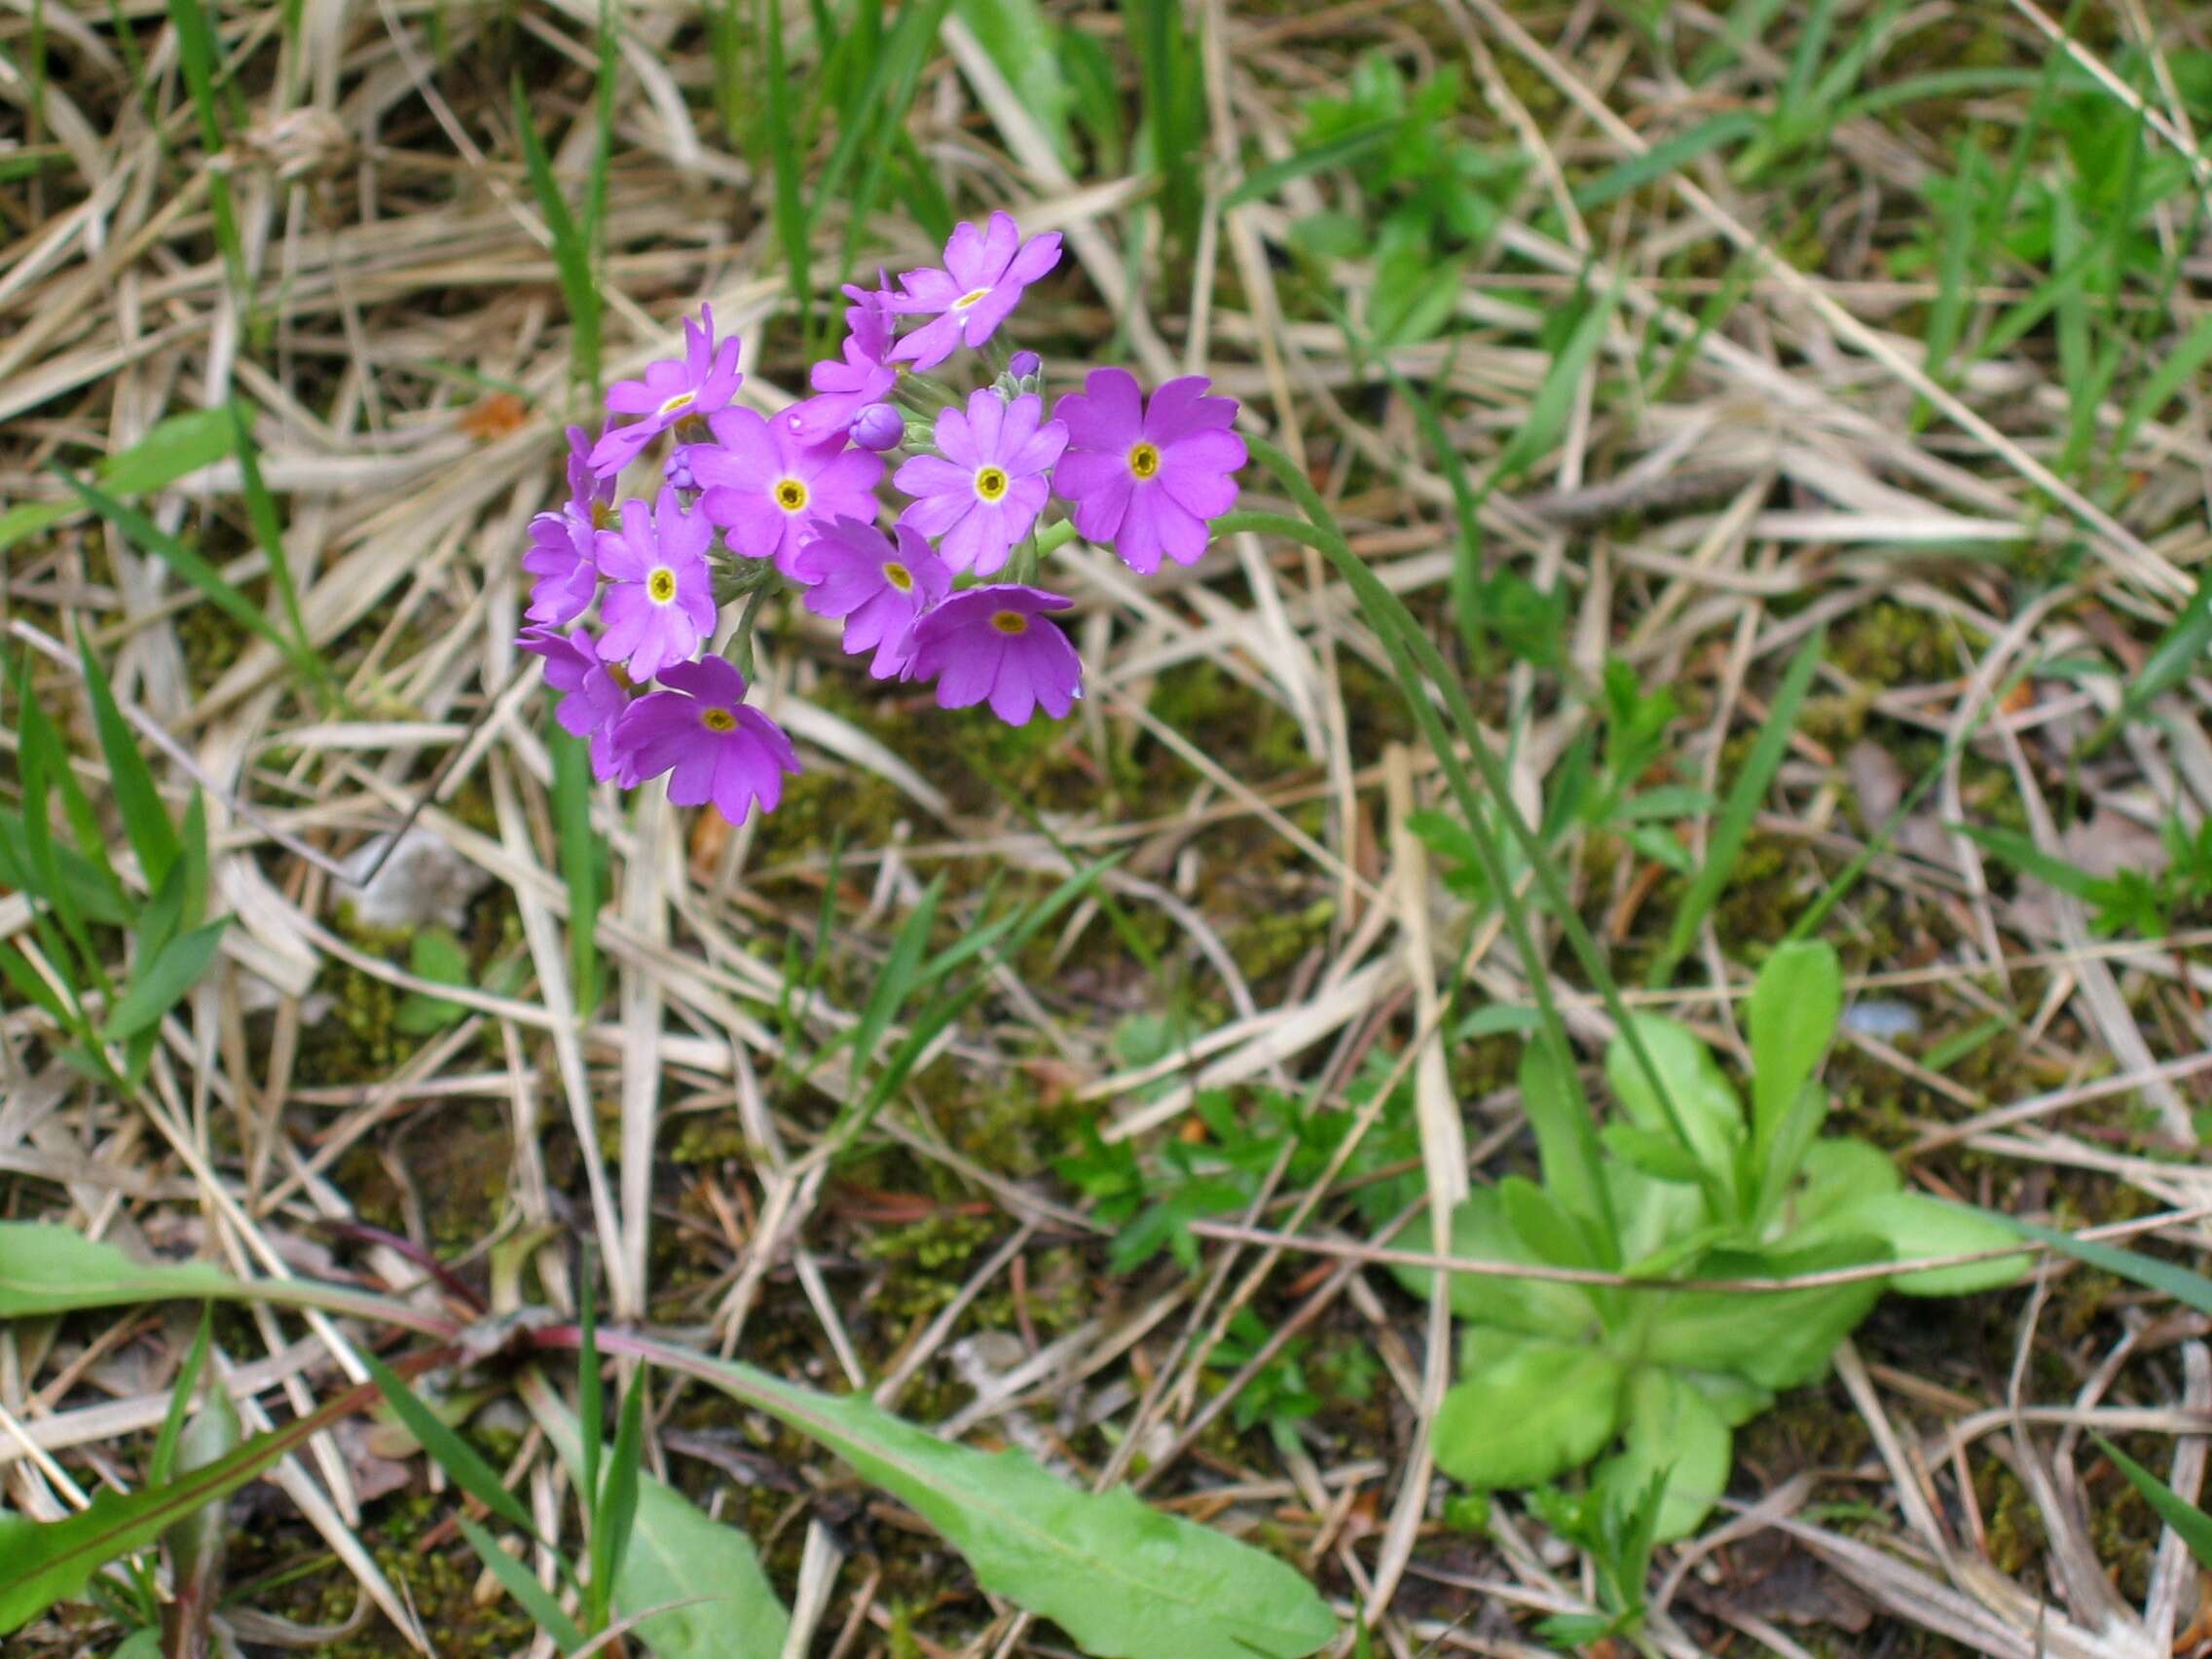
{"x":745,"y":503}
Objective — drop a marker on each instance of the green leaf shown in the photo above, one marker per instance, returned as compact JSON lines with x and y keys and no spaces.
{"x":174,"y":447}
{"x":195,"y":1542}
{"x":87,"y":889}
{"x":1125,"y":1581}
{"x":1539,"y":1308}
{"x":675,"y":1552}
{"x":1671,"y":1431}
{"x":432,"y":954}
{"x":1555,"y":397}
{"x":1654,"y":1152}
{"x":1795,"y":1003}
{"x":1532,"y":1413}
{"x":2190,"y":1524}
{"x":1549,"y":1232}
{"x":160,"y":984}
{"x":1919,"y":1226}
{"x":1566,"y":1141}
{"x":54,"y":1269}
{"x":1024,"y":44}
{"x":1706,"y":1107}
{"x":41,"y":1563}
{"x":1775,"y":1339}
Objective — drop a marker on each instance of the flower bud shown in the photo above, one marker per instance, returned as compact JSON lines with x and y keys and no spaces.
{"x":1023,"y":364}
{"x":879,"y":427}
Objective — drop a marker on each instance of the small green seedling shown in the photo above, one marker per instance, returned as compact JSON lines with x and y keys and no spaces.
{"x":111,"y":1014}
{"x":1694,"y":1187}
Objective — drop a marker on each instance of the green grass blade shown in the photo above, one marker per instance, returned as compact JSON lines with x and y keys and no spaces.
{"x":1666,"y":157}
{"x":790,"y":208}
{"x":163,"y":1463}
{"x":572,"y":253}
{"x":158,"y":986}
{"x":146,"y":820}
{"x":181,"y":444}
{"x":2178,"y":654}
{"x":455,"y":1456}
{"x":518,"y":1582}
{"x":2190,"y":1524}
{"x":2189,"y":1289}
{"x":583,"y":856}
{"x":269,"y":531}
{"x":187,"y":563}
{"x":1738,"y":810}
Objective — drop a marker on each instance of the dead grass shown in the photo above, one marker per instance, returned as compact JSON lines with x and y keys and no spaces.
{"x":405,"y":355}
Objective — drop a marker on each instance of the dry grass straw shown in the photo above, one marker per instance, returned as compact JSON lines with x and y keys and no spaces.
{"x":398,"y":275}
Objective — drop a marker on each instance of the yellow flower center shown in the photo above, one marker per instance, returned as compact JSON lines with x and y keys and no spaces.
{"x":1144,"y":460}
{"x":790,"y":494}
{"x":718,"y":719}
{"x":898,"y":577}
{"x":682,"y":400}
{"x":662,"y":584}
{"x":1009,"y":623}
{"x":970,"y":298}
{"x":990,"y":483}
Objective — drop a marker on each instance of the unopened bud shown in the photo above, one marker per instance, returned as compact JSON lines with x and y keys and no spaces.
{"x":1023,"y":364}
{"x":879,"y":427}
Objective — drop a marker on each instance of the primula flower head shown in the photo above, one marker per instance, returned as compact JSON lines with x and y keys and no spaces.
{"x":661,"y":601}
{"x":768,"y":490}
{"x":701,"y":733}
{"x":1147,"y":479}
{"x":983,"y":490}
{"x":703,"y":382}
{"x":879,"y":589}
{"x":591,"y":699}
{"x":980,"y":281}
{"x":563,"y":556}
{"x":995,"y":642}
{"x":843,"y":390}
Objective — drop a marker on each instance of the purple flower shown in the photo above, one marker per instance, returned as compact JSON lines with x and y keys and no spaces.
{"x":563,"y":556}
{"x":717,"y":750}
{"x":587,"y":489}
{"x":985,"y":490}
{"x":703,"y":382}
{"x":993,"y":642}
{"x":845,"y":390}
{"x":982,"y":278}
{"x":1147,"y":480}
{"x":661,"y":602}
{"x":878,"y":589}
{"x":591,"y":700}
{"x":767,"y":490}
{"x":879,"y":428}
